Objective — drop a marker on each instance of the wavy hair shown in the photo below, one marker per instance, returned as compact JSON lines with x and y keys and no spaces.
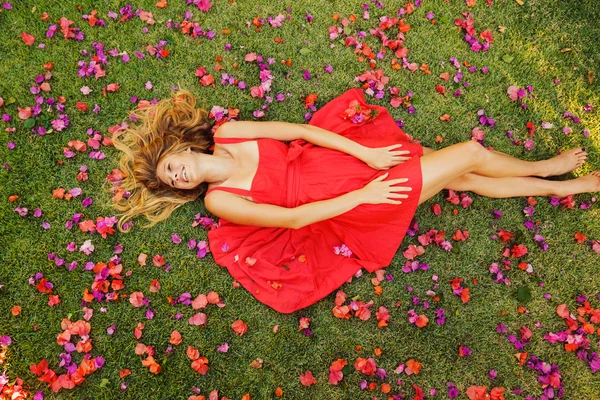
{"x":168,"y":127}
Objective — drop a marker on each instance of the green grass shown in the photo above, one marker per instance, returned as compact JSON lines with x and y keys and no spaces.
{"x":535,"y":35}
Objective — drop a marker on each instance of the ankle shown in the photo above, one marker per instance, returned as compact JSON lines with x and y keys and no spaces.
{"x":559,"y":189}
{"x":542,"y":168}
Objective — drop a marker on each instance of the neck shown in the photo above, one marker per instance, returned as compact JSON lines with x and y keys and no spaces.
{"x":216,"y":169}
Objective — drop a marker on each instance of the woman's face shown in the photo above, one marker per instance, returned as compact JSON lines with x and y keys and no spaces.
{"x":179,"y":170}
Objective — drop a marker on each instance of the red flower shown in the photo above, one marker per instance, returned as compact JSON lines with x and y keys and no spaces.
{"x":307,"y":379}
{"x":366,"y":366}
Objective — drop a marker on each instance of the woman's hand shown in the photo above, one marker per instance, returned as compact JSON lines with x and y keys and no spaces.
{"x":379,"y":191}
{"x":382,"y":158}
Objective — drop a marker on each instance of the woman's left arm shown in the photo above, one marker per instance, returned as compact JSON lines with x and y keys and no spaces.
{"x":378,"y":158}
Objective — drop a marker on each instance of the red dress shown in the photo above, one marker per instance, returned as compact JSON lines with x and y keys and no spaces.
{"x":289,"y":269}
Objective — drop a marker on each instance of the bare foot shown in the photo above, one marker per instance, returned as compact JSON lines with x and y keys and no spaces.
{"x":565,"y":162}
{"x":589,"y":183}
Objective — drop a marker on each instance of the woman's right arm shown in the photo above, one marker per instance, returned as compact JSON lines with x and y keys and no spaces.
{"x":240,"y":211}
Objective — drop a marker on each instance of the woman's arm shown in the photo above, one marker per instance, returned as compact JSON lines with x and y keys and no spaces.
{"x":240,"y":211}
{"x":287,"y":131}
{"x":377,"y":158}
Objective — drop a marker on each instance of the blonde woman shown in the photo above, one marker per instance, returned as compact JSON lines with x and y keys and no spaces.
{"x":298,"y":220}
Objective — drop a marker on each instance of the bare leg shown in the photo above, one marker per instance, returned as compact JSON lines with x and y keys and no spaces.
{"x":457,"y":167}
{"x":517,"y":186}
{"x":561,"y":164}
{"x":514,"y":186}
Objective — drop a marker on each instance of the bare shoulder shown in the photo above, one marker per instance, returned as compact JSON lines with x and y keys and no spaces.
{"x":235,"y":128}
{"x":223,"y":130}
{"x":212,"y":199}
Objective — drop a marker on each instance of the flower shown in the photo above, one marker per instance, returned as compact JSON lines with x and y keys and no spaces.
{"x":343,"y":250}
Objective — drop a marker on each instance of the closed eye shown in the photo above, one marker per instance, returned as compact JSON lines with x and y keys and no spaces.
{"x":169,"y":169}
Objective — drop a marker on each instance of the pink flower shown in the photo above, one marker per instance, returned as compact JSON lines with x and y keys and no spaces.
{"x":136,"y":299}
{"x":477,"y":134}
{"x":224,"y":348}
{"x":276,"y":22}
{"x":513,"y":92}
{"x":343,"y":250}
{"x":413,"y":251}
{"x":197,"y":319}
{"x":257,"y":91}
{"x":465,"y":200}
{"x":87,"y":247}
{"x":250,"y":57}
{"x":24,"y":113}
{"x":528,"y":144}
{"x":204,"y":5}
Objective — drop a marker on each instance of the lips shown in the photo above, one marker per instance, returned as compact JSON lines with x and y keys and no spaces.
{"x":184,"y":175}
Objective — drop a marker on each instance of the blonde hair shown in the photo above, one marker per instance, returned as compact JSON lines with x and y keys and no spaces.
{"x":168,"y":127}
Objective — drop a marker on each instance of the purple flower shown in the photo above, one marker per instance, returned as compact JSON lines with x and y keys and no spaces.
{"x":452,"y":390}
{"x":306,"y":75}
{"x":5,"y":341}
{"x":440,"y":316}
{"x":466,"y":351}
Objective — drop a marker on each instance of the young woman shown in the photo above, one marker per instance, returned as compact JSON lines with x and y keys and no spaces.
{"x":299,"y":220}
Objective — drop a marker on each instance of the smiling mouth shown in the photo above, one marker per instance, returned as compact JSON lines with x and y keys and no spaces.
{"x":184,"y":175}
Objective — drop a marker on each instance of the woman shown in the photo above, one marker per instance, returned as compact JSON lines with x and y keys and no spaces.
{"x":298,"y":221}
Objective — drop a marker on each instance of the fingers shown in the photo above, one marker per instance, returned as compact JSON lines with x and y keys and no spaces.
{"x":393,"y":202}
{"x":401,"y":189}
{"x":397,"y":180}
{"x":382,"y":177}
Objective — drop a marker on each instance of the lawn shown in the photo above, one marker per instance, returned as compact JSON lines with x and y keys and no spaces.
{"x":546,"y":53}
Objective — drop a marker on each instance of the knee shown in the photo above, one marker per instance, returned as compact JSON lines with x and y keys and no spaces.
{"x":475,"y":150}
{"x":466,"y":182}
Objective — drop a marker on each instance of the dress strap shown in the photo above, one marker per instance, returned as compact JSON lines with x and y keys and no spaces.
{"x":239,"y":191}
{"x":227,"y":140}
